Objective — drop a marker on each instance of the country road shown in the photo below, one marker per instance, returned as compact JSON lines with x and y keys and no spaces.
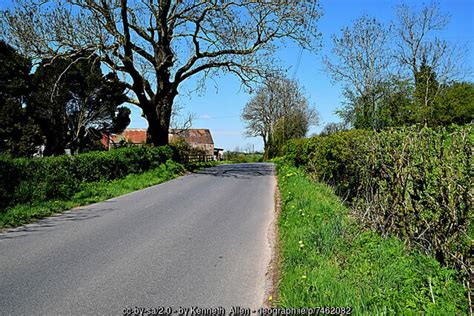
{"x":199,"y":240}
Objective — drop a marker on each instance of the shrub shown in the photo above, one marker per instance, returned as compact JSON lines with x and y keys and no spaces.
{"x":409,"y":182}
{"x":333,"y":159}
{"x":30,"y":180}
{"x":336,"y":160}
{"x":417,"y":184}
{"x":240,"y":157}
{"x":182,"y":151}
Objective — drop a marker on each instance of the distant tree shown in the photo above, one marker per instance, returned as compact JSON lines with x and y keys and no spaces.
{"x":75,"y":110}
{"x":332,"y":128}
{"x":430,"y":62}
{"x":294,"y":124}
{"x":18,"y":134}
{"x":362,"y":63}
{"x":279,"y":111}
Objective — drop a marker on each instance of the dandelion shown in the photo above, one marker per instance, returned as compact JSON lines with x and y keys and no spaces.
{"x":270,"y":298}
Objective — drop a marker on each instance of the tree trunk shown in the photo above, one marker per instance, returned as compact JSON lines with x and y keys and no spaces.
{"x":158,"y":117}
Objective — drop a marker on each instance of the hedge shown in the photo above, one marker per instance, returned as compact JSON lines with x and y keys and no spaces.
{"x":26,"y":180}
{"x":414,"y":183}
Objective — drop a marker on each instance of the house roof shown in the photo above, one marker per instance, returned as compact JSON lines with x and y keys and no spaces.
{"x":138,"y":135}
{"x":132,"y":135}
{"x":199,"y":136}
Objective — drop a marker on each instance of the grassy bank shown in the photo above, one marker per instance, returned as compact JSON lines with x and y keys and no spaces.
{"x":328,"y":260}
{"x":91,"y":193}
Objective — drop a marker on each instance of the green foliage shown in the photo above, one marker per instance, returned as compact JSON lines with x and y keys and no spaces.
{"x":327,"y":259}
{"x":294,"y":124}
{"x":90,"y":192}
{"x":239,"y":157}
{"x":332,"y":158}
{"x":455,"y":105}
{"x":410,"y":183}
{"x":417,"y":185}
{"x":73,"y":103}
{"x":32,"y":180}
{"x":18,"y":133}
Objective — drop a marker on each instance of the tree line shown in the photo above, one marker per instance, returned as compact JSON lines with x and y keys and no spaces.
{"x":392,"y":75}
{"x":56,"y":105}
{"x":401,"y":73}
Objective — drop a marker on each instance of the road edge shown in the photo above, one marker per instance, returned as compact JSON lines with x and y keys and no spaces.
{"x":272,"y":275}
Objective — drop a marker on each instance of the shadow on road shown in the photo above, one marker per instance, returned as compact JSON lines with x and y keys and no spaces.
{"x":43,"y":225}
{"x":240,"y":171}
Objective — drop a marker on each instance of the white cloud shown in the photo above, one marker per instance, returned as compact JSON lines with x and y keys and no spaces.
{"x":205,"y":117}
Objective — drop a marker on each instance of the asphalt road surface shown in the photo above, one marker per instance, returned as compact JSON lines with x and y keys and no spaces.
{"x":199,"y":240}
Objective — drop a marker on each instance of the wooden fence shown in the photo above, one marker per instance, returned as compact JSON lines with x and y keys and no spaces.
{"x":198,"y":158}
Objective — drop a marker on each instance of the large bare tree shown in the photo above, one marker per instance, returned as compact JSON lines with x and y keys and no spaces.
{"x":158,"y":44}
{"x":429,"y":61}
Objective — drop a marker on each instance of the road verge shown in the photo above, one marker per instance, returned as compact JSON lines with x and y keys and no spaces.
{"x":328,"y":260}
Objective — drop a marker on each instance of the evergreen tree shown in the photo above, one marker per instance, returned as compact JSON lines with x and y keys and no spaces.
{"x":18,"y":134}
{"x":74,"y":103}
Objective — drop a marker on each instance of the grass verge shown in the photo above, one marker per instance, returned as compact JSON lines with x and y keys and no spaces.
{"x":91,"y":193}
{"x":328,"y":260}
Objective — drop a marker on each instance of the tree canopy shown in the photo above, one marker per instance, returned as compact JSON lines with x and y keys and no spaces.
{"x":63,"y":104}
{"x":18,"y":133}
{"x":74,"y":110}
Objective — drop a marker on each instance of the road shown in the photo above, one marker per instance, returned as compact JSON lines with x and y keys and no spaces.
{"x":199,"y":240}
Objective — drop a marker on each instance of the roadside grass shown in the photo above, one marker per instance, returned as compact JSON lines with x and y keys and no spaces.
{"x":91,"y":193}
{"x":328,"y":260}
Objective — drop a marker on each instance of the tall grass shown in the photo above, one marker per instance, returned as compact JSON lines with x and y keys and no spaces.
{"x":329,"y":260}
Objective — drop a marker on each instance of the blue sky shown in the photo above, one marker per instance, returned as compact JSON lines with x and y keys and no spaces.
{"x":218,"y":107}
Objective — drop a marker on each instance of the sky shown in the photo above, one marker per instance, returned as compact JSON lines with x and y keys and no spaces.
{"x":218,"y":107}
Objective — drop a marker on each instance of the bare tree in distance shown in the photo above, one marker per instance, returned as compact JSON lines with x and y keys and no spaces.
{"x":431,"y":62}
{"x":179,"y":120}
{"x":280,"y":109}
{"x":331,"y":128}
{"x":157,"y":45}
{"x":362,"y":61}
